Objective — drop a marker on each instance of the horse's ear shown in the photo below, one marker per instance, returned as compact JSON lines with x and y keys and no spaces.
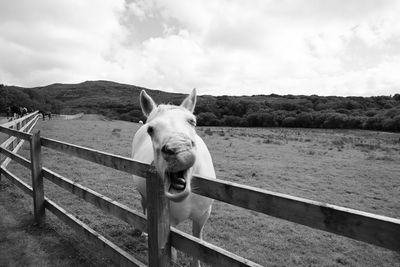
{"x":147,"y":103}
{"x":190,"y":101}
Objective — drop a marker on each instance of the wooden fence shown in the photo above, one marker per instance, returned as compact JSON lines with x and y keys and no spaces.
{"x":375,"y":229}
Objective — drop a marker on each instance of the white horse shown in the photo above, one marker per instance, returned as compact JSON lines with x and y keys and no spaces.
{"x":168,"y":139}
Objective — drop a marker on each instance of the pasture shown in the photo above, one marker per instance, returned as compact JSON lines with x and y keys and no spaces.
{"x":355,"y":169}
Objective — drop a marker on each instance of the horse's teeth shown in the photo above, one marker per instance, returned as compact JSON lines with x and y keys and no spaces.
{"x":180,"y":181}
{"x":178,"y":186}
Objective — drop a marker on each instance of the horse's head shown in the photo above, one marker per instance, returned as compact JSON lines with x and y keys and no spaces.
{"x":172,"y":132}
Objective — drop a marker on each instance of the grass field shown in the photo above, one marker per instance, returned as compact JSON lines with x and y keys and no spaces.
{"x":355,"y":169}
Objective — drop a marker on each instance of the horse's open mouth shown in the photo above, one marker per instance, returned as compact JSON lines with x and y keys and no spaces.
{"x":176,"y":181}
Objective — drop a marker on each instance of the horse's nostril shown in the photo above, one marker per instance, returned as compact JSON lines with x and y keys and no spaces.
{"x":193,"y":144}
{"x":166,"y":150}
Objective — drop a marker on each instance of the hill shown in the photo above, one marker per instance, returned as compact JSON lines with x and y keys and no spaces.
{"x":120,"y":101}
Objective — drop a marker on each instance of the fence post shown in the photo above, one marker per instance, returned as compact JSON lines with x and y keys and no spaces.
{"x":37,"y":178}
{"x":158,"y":222}
{"x":11,"y":146}
{"x":17,"y":127}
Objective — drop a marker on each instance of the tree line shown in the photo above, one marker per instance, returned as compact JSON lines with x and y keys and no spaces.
{"x":371,"y":113}
{"x":26,"y":97}
{"x":118,"y":101}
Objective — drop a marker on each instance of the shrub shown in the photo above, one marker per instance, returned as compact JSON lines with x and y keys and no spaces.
{"x":392,"y":124}
{"x":371,"y":113}
{"x":261,"y":120}
{"x":268,"y":120}
{"x":304,"y":119}
{"x":392,"y":112}
{"x":229,"y":120}
{"x":373,"y":123}
{"x":207,"y":119}
{"x":252,"y":120}
{"x":335,"y":121}
{"x":289,"y":122}
{"x":355,"y":122}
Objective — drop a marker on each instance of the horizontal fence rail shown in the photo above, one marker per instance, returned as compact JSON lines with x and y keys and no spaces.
{"x":19,"y":120}
{"x":118,"y":255}
{"x":120,"y":163}
{"x":13,"y":142}
{"x":22,"y":132}
{"x":367,"y":227}
{"x":207,"y":252}
{"x":138,"y":220}
{"x":18,"y":134}
{"x":24,"y":124}
{"x":16,"y":181}
{"x":17,"y":158}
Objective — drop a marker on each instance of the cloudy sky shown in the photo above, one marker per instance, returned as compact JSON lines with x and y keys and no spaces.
{"x":330,"y":47}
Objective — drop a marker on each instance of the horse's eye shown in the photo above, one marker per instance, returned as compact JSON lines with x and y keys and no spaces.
{"x":192,"y":122}
{"x":150,"y":130}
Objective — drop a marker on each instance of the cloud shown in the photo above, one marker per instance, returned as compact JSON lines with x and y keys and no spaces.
{"x":47,"y":41}
{"x":220,"y":47}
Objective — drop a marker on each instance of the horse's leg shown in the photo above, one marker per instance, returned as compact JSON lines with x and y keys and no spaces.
{"x":174,"y":253}
{"x":197,"y":229}
{"x":143,"y":201}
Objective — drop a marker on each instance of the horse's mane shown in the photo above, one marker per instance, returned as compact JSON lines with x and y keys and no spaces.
{"x":162,"y":108}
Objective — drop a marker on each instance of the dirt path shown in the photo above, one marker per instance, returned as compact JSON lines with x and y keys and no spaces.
{"x":24,"y":244}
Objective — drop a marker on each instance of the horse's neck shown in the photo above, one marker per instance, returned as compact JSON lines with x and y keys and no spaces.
{"x":142,"y":148}
{"x":203,"y":164}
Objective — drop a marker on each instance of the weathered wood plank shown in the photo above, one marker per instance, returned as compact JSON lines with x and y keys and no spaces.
{"x":158,"y":223}
{"x":117,"y":255}
{"x":16,"y":181}
{"x":9,"y":142}
{"x":37,"y":178}
{"x":14,"y":122}
{"x":29,"y":127}
{"x":16,"y":141}
{"x":16,"y":133}
{"x":25,"y":131}
{"x":106,"y":159}
{"x":367,"y":227}
{"x":207,"y":252}
{"x":17,"y":158}
{"x":104,"y":203}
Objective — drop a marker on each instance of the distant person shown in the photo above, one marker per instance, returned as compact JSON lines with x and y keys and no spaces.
{"x":46,"y":113}
{"x":9,"y":113}
{"x":16,"y":112}
{"x":43,"y":114}
{"x":23,"y":111}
